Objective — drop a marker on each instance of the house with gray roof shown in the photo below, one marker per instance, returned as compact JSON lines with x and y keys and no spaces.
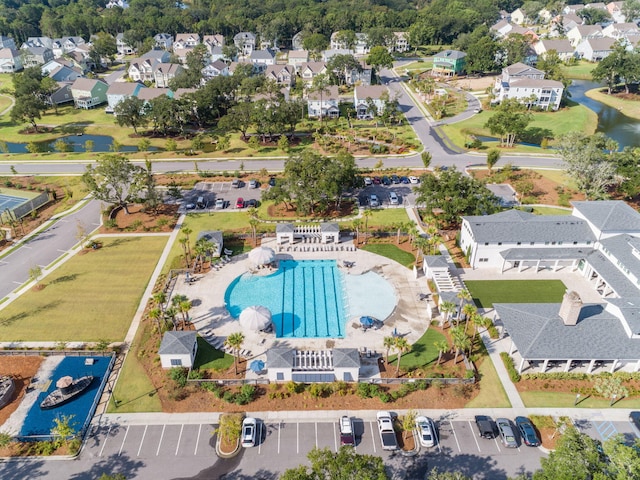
{"x":288,"y":364}
{"x":245,"y":42}
{"x":370,"y":101}
{"x":118,"y":91}
{"x":215,"y":238}
{"x":178,"y":349}
{"x":7,"y":42}
{"x":10,"y":60}
{"x":608,"y":217}
{"x":88,"y":92}
{"x":595,"y":49}
{"x":34,"y":55}
{"x":528,"y":85}
{"x":262,"y":58}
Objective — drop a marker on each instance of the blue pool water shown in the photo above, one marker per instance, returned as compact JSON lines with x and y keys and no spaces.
{"x":39,"y":422}
{"x":305,"y":298}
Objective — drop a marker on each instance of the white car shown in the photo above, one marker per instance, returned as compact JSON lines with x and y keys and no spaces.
{"x":393,"y":198}
{"x":373,"y":201}
{"x":253,"y":184}
{"x":368,"y":182}
{"x":413,"y":179}
{"x":249,"y":428}
{"x":219,"y":203}
{"x":426,"y":431}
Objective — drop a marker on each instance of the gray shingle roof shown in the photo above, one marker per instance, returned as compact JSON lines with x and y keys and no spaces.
{"x":610,"y":215}
{"x":545,"y":253}
{"x":346,"y":358}
{"x":280,"y":357}
{"x":436,"y":261}
{"x":177,"y":343}
{"x":284,"y":228}
{"x":514,"y":226}
{"x":539,"y":333}
{"x":266,"y":54}
{"x":630,"y":310}
{"x":211,"y":236}
{"x":329,"y":227}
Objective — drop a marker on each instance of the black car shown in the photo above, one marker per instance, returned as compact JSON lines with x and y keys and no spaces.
{"x":404,"y":180}
{"x":386,"y":180}
{"x":395,"y":179}
{"x":252,"y":203}
{"x":486,"y":426}
{"x":527,"y":432}
{"x":272,"y":181}
{"x":634,"y":418}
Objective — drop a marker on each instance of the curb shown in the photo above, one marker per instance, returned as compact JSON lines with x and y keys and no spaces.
{"x":222,"y":454}
{"x":416,"y":446}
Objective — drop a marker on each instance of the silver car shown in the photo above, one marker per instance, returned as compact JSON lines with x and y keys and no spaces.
{"x":507,"y":436}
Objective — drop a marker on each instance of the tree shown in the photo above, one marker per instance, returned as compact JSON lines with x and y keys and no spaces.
{"x":436,"y":474}
{"x":610,"y":388}
{"x":408,"y":422}
{"x":341,"y":66}
{"x":447,"y":308}
{"x":239,"y":118}
{"x":28,"y":108}
{"x":623,"y":459}
{"x":380,"y":57}
{"x":426,"y":158}
{"x":631,"y":10}
{"x":340,"y":465}
{"x":155,"y":314}
{"x":131,"y":112}
{"x":509,"y":121}
{"x":609,"y":69}
{"x":320,"y":85}
{"x":315,"y":43}
{"x":63,"y":430}
{"x":192,"y":76}
{"x":492,"y":158}
{"x":481,"y":48}
{"x":460,"y":341}
{"x":103,"y":45}
{"x":235,"y":341}
{"x":387,"y":343}
{"x":592,"y":16}
{"x":442,"y":346}
{"x":588,"y":163}
{"x":35,"y":273}
{"x":513,"y":49}
{"x":114,"y":180}
{"x":469,"y":310}
{"x":402,"y":346}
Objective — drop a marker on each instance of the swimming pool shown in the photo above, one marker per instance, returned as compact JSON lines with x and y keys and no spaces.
{"x":305,"y":298}
{"x":38,"y":423}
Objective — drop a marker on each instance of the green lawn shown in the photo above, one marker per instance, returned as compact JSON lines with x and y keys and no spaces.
{"x":492,"y":394}
{"x":487,"y":292}
{"x":209,"y":358}
{"x":91,"y":297}
{"x":628,"y":107}
{"x":134,"y":390}
{"x":543,"y":399}
{"x":382,"y":218}
{"x":5,"y":101}
{"x":582,"y":70}
{"x":550,"y":211}
{"x":422,"y":353}
{"x":390,"y":251}
{"x":573,"y":118}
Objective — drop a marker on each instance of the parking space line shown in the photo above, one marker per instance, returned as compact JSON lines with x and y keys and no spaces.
{"x":123,"y":440}
{"x":144,"y":434}
{"x":105,"y":440}
{"x":160,"y":442}
{"x":335,"y":437}
{"x":436,"y":434}
{"x":474,"y":437}
{"x":298,"y":437}
{"x":455,"y":437}
{"x":316,"y":434}
{"x":279,"y":437}
{"x":195,"y":452}
{"x":179,"y":438}
{"x":497,"y":444}
{"x":373,"y":438}
{"x":260,"y":442}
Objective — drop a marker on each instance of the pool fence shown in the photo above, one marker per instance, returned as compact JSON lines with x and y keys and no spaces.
{"x":380,"y":381}
{"x":25,"y":208}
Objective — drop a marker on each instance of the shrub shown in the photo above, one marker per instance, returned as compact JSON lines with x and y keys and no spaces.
{"x":469,"y":374}
{"x":384,"y":397}
{"x":111,"y":223}
{"x":463,"y":390}
{"x":341,"y":388}
{"x":179,"y":376}
{"x":508,"y":363}
{"x":367,"y":390}
{"x":293,"y":387}
{"x":196,"y":375}
{"x":493,"y":332}
{"x":318,"y":390}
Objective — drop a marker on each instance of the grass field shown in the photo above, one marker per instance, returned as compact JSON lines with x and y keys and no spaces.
{"x":209,"y":358}
{"x":91,"y":297}
{"x":573,"y":118}
{"x":543,"y":399}
{"x":390,"y":251}
{"x":628,"y":107}
{"x":492,"y":394}
{"x":487,"y":292}
{"x":383,"y":217}
{"x":550,"y":211}
{"x":5,"y":101}
{"x":422,"y":353}
{"x":581,"y":71}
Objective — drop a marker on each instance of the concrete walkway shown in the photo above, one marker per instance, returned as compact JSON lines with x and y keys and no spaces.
{"x":494,"y":347}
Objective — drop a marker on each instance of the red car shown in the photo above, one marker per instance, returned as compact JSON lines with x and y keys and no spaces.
{"x":240,"y":202}
{"x":377,"y":180}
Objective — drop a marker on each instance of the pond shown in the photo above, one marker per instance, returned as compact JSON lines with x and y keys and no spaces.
{"x":611,"y":121}
{"x":101,"y":143}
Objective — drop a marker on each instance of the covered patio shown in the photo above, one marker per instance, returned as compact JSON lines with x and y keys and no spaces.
{"x":538,"y":259}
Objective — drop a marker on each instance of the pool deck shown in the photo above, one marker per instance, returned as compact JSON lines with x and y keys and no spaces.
{"x":213,"y":321}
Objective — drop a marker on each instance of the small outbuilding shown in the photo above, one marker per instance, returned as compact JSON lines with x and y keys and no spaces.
{"x":178,"y":349}
{"x":215,"y":238}
{"x":308,"y":366}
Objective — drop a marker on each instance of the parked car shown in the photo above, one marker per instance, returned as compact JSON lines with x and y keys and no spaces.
{"x":249,"y":428}
{"x":190,"y":206}
{"x":426,"y":431}
{"x":240,"y":202}
{"x":477,"y":110}
{"x":377,"y":180}
{"x":507,"y":437}
{"x":395,"y":179}
{"x":253,"y":184}
{"x":368,"y":182}
{"x":634,"y":418}
{"x":404,"y":180}
{"x":272,"y":181}
{"x":413,"y":179}
{"x":527,"y":432}
{"x":373,"y":201}
{"x":235,"y":183}
{"x":219,"y":203}
{"x":387,"y":432}
{"x":347,"y":436}
{"x":393,"y":198}
{"x":486,"y":426}
{"x":252,"y":203}
{"x":386,"y":180}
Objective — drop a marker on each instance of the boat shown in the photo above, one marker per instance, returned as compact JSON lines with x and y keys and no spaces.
{"x":7,"y":389}
{"x":68,"y":388}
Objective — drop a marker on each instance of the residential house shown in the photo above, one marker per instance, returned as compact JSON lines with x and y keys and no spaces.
{"x":370,"y":101}
{"x":296,"y":41}
{"x":88,"y":92}
{"x":119,"y":91}
{"x":245,"y":42}
{"x":545,"y":16}
{"x":161,"y":56}
{"x":163,"y":73}
{"x":580,"y":33}
{"x":336,"y":43}
{"x":184,"y":43}
{"x":519,"y":17}
{"x":178,"y":349}
{"x":595,"y":49}
{"x":295,"y":58}
{"x":7,"y":42}
{"x":148,"y":94}
{"x":123,"y":4}
{"x":449,"y":63}
{"x":620,"y":30}
{"x":141,"y":69}
{"x":39,"y":42}
{"x":563,"y":48}
{"x":60,"y":72}
{"x":401,"y":43}
{"x":61,"y":95}
{"x":215,"y":69}
{"x":615,"y":10}
{"x":64,"y":45}
{"x":81,"y":60}
{"x":308,"y":71}
{"x":573,"y":9}
{"x":261,"y":58}
{"x":32,"y":56}
{"x":324,"y":103}
{"x":502,"y":28}
{"x":362,"y":44}
{"x":528,"y":85}
{"x":361,"y":76}
{"x":180,"y":92}
{"x":122,"y":46}
{"x":329,"y":54}
{"x":281,"y":74}
{"x":163,"y":41}
{"x":211,"y":41}
{"x":564,"y":23}
{"x":10,"y":60}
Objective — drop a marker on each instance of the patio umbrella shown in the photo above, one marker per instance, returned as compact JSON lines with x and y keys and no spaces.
{"x":366,"y":321}
{"x":256,"y":366}
{"x":255,"y":318}
{"x":262,"y":255}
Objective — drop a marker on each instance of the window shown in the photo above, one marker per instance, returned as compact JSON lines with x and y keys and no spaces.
{"x":279,"y":376}
{"x":176,"y":362}
{"x":532,"y":243}
{"x":519,"y":243}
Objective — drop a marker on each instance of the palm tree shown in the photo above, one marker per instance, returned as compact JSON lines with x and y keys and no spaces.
{"x":442,"y":347}
{"x":357,"y":224}
{"x":184,"y":307}
{"x":447,"y":308}
{"x":469,"y":311}
{"x":160,"y":298}
{"x":320,"y":85}
{"x":388,"y":343}
{"x":460,"y":341}
{"x":184,"y":242}
{"x":421,"y":244}
{"x":479,"y":322}
{"x":402,"y":346}
{"x":155,"y":314}
{"x":234,"y":341}
{"x":464,"y":297}
{"x":366,"y":214}
{"x":253,"y":223}
{"x":187,"y":231}
{"x":171,"y":312}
